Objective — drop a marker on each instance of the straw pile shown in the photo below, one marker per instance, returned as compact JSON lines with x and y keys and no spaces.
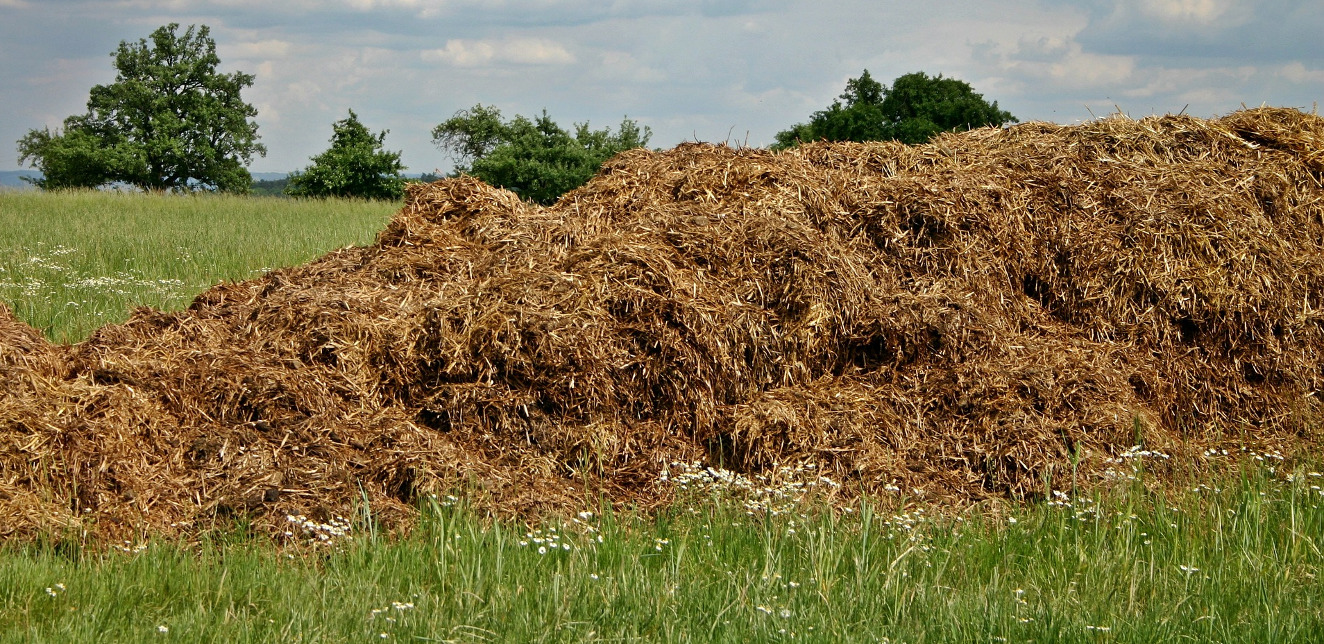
{"x":961,"y":317}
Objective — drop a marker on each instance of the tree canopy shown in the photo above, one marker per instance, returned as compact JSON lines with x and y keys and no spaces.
{"x":356,"y":165}
{"x":170,"y":121}
{"x":534,"y":158}
{"x":916,"y":108}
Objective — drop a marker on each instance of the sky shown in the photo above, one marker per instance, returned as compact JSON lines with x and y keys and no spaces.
{"x":733,"y":71}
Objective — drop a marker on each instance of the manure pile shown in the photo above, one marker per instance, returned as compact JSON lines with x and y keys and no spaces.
{"x":962,"y":317}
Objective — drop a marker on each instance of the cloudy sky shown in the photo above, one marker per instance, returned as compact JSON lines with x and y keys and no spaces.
{"x":711,"y":70}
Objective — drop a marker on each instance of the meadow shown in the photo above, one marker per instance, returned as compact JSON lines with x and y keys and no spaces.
{"x":71,"y":262}
{"x":1232,"y":560}
{"x":1233,"y":557}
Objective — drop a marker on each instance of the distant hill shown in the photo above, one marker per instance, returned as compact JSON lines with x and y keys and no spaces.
{"x":265,"y":182}
{"x":11,"y":179}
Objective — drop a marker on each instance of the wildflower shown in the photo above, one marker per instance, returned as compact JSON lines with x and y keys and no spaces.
{"x":1011,"y":520}
{"x":785,"y":613}
{"x":163,"y":629}
{"x":1189,"y":570}
{"x":542,"y":550}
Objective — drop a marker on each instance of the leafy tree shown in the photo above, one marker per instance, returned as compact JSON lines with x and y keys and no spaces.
{"x":170,"y":121}
{"x":534,"y":158}
{"x":354,"y":166}
{"x":914,"y":110}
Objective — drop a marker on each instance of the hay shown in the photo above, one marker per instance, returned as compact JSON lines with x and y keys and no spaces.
{"x":960,"y":317}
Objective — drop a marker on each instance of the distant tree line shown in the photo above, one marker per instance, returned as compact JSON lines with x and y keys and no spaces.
{"x":172,"y":122}
{"x":914,"y":109}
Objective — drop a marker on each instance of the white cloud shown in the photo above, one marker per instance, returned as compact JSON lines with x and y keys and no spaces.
{"x":1202,"y":11}
{"x":1296,"y":72}
{"x":1062,"y":62}
{"x":259,"y":50}
{"x":623,"y":66}
{"x":477,"y":53}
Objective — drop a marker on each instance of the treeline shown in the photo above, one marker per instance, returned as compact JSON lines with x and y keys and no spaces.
{"x":172,"y":122}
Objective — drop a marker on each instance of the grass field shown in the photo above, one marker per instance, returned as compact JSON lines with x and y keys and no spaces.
{"x":1236,"y":561}
{"x":73,"y":261}
{"x":1234,"y":558}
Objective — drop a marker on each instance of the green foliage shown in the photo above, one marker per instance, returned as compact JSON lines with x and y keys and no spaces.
{"x":471,"y":134}
{"x":534,"y":158}
{"x":914,"y":110}
{"x":170,"y":121}
{"x":354,"y":166}
{"x":69,"y":160}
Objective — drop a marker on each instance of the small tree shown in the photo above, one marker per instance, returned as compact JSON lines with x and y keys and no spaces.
{"x":914,"y":110}
{"x":354,"y":166}
{"x":170,"y":121}
{"x":534,"y":158}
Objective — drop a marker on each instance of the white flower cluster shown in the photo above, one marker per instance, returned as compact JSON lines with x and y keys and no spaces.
{"x":549,"y":540}
{"x":394,"y":609}
{"x":446,"y":501}
{"x":1084,"y":509}
{"x":324,"y":533}
{"x":1136,"y":452}
{"x":1134,"y":455}
{"x":776,"y":493}
{"x":129,"y":547}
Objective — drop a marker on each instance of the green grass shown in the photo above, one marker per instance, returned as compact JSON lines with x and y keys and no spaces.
{"x":1235,"y":562}
{"x":71,"y":262}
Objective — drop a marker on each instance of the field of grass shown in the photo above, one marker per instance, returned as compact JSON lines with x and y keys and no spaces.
{"x":73,"y":261}
{"x":1237,"y":560}
{"x":1234,"y":558}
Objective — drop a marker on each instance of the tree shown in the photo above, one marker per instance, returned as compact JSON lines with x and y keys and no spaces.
{"x":170,"y":121}
{"x":354,"y":166}
{"x":914,"y":110}
{"x":534,"y":158}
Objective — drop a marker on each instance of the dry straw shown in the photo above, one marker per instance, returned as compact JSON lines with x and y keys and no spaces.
{"x":961,"y":317}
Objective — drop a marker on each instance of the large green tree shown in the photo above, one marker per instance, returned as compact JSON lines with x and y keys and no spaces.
{"x":534,"y":158}
{"x":170,"y":121}
{"x":916,"y":108}
{"x":356,"y":165}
